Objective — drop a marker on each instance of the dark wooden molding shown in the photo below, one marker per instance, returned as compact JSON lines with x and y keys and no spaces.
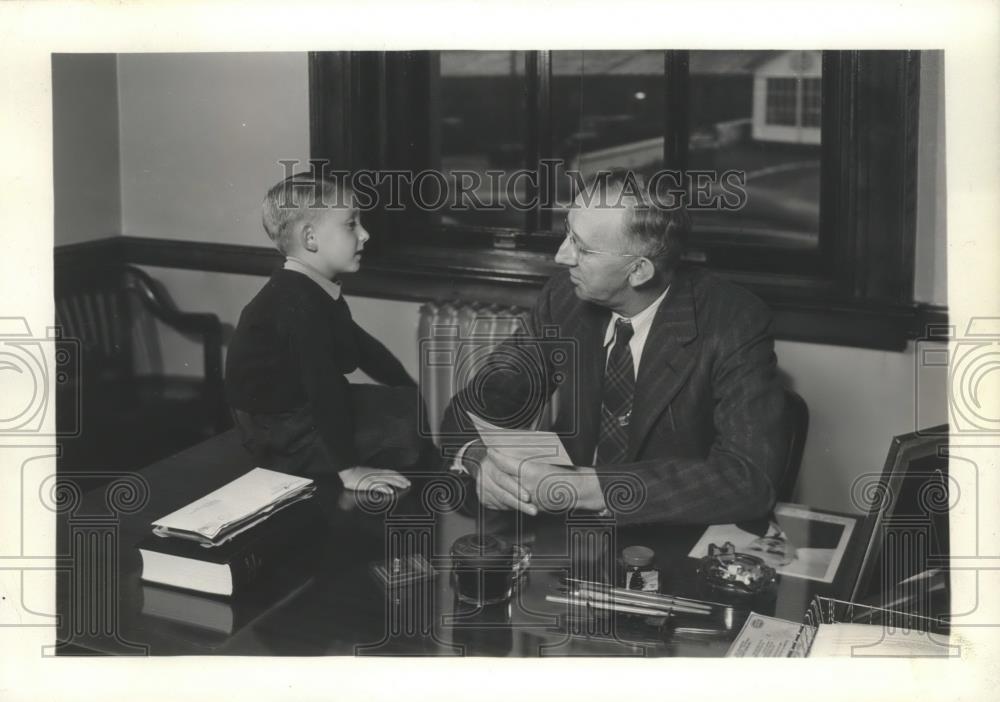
{"x":884,"y":112}
{"x":538,"y":142}
{"x":330,"y":98}
{"x":677,"y":109}
{"x":219,"y":258}
{"x":839,"y":214}
{"x":514,"y":278}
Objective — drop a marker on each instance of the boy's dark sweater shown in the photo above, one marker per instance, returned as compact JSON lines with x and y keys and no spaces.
{"x":291,"y":349}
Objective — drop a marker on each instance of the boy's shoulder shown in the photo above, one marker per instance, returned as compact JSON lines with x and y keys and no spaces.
{"x":289,"y":299}
{"x":285,"y":283}
{"x":282,"y":296}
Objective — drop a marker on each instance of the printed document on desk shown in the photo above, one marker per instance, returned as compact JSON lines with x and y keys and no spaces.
{"x":522,"y":444}
{"x":234,"y":507}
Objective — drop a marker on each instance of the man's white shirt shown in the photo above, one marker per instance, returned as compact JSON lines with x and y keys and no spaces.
{"x":641,"y":323}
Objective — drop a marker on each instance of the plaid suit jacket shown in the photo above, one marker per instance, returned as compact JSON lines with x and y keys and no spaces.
{"x":707,"y":438}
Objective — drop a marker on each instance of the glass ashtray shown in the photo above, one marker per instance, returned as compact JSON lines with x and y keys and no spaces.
{"x":739,"y":573}
{"x":485,"y":569}
{"x":522,"y":559}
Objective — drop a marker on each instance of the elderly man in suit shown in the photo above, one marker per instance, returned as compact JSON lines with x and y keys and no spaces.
{"x":670,"y":396}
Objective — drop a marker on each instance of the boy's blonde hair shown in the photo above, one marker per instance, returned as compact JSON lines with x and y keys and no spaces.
{"x":293,"y":199}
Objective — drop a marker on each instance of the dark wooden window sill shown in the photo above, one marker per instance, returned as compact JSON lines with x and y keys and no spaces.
{"x":805,"y":309}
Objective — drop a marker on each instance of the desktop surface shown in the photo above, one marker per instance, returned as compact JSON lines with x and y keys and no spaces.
{"x":331,"y":602}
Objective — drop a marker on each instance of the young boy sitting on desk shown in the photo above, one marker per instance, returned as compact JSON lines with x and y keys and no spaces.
{"x":295,"y":343}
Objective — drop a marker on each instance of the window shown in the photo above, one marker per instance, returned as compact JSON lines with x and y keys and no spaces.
{"x":607,"y":110}
{"x":481,"y":123}
{"x":812,"y":102}
{"x":824,"y":142}
{"x":747,"y":116}
{"x":782,"y":101}
{"x":794,"y":102}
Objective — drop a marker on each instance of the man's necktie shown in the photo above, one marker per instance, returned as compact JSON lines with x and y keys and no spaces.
{"x":616,"y":398}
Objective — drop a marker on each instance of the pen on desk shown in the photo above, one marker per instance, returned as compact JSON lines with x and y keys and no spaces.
{"x":693,"y":632}
{"x":664,"y":607}
{"x":585,"y":602}
{"x":644,"y":598}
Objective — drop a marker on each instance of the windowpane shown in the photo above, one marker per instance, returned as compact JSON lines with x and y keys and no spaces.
{"x":607,"y":110}
{"x":482,"y":127}
{"x":781,"y":101}
{"x":812,"y":102}
{"x":758,"y":112}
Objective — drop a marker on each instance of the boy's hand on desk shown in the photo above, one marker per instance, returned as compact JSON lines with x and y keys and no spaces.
{"x":373,"y":479}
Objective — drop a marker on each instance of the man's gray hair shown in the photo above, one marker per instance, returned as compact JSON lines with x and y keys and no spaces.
{"x":659,"y":233}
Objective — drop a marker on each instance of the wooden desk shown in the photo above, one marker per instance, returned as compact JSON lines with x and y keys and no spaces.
{"x":334,"y":605}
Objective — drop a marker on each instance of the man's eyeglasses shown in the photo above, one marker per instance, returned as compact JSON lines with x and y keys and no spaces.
{"x":575,"y":243}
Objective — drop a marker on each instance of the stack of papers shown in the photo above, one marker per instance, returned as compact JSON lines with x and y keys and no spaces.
{"x":235,"y":507}
{"x":770,"y":637}
{"x":874,"y":640}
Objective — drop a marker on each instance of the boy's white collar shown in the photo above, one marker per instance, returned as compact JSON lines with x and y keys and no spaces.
{"x":293,"y":263}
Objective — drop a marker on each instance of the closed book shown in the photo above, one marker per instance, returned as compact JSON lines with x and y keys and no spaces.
{"x":232,"y":567}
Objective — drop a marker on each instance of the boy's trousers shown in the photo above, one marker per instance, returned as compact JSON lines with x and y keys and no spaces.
{"x":387,"y":434}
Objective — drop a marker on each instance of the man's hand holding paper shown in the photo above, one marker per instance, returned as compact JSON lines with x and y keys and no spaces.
{"x":551,"y":487}
{"x":529,"y":470}
{"x":496,"y":488}
{"x":523,"y":444}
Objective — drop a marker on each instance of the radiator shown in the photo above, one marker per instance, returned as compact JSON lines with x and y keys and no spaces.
{"x":454,"y":340}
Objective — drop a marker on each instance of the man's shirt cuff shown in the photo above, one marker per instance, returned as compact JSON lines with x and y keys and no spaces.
{"x":457,"y":466}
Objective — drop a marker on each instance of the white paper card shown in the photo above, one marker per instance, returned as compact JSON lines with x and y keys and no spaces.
{"x":522,"y":444}
{"x":765,"y":637}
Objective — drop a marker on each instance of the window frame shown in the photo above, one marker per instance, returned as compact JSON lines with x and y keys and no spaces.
{"x":368,"y":111}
